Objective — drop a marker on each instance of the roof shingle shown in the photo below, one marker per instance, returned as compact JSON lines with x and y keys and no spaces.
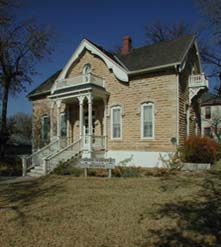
{"x":162,"y":53}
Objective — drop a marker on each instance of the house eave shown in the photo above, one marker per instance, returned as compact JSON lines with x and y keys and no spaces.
{"x":156,"y":68}
{"x":31,"y":96}
{"x":119,"y":71}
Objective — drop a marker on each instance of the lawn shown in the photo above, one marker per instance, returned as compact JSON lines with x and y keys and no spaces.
{"x":182,"y":210}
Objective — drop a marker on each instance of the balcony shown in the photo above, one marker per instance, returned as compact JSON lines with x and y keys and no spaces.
{"x":80,"y":80}
{"x":198,"y":81}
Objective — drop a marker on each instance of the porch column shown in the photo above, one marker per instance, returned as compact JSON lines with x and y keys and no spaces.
{"x":81,"y":112}
{"x":90,"y":123}
{"x":58,"y":119}
{"x":52,"y":121}
{"x":105,"y":124}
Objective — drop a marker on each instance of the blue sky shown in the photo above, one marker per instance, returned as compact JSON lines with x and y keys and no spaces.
{"x":104,"y":22}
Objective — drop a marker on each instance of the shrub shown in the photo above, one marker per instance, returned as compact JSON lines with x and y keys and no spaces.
{"x":156,"y":172}
{"x":172,"y":162}
{"x":199,"y":150}
{"x":121,"y":171}
{"x":68,"y":168}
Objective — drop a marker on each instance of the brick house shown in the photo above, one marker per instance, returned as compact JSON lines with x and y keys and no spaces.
{"x":130,"y":106}
{"x":211,"y":115}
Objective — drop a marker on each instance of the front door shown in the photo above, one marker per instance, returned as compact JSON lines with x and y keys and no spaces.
{"x":86,"y":129}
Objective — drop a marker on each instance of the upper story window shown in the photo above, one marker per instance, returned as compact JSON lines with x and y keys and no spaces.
{"x":207,"y":112}
{"x":45,"y":128}
{"x":147,"y":120}
{"x":87,"y":69}
{"x":116,"y":122}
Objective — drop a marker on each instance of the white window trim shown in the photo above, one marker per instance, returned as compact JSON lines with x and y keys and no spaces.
{"x":121,"y":125}
{"x":42,"y":128}
{"x":141,"y":121}
{"x":61,"y":115}
{"x":87,"y":65}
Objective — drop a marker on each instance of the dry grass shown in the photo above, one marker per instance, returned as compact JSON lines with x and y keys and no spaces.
{"x":153,"y":211}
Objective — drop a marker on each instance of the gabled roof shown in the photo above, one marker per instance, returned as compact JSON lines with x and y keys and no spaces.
{"x":156,"y":55}
{"x":44,"y":87}
{"x":210,"y":99}
{"x":150,"y":57}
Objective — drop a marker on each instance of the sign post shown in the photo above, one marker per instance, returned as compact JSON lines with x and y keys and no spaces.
{"x":107,"y":164}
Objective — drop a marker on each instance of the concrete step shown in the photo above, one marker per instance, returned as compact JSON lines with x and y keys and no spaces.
{"x":35,"y":174}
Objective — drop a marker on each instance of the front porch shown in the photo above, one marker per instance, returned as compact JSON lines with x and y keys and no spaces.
{"x":80,"y":114}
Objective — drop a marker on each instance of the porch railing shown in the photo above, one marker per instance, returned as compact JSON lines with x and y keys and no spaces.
{"x":81,"y":79}
{"x":37,"y":157}
{"x":52,"y":161}
{"x":198,"y":81}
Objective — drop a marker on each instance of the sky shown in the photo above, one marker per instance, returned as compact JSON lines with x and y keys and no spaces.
{"x":104,"y":22}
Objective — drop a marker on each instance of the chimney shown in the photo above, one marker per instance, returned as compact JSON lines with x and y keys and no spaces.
{"x":127,"y":45}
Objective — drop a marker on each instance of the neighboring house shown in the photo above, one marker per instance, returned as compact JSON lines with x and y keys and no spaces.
{"x":130,"y":106}
{"x":211,"y":116}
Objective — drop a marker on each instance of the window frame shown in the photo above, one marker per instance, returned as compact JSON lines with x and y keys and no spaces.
{"x":43,"y":140}
{"x":206,"y":116}
{"x":85,"y":67}
{"x":63,"y":114}
{"x":121,"y":125}
{"x":204,"y":132}
{"x":142,"y":121}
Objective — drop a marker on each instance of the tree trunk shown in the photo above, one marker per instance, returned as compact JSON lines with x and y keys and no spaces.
{"x":4,"y":131}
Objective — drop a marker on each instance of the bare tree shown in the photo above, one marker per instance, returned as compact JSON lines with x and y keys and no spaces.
{"x":21,"y":127}
{"x":158,"y":32}
{"x":215,"y":123}
{"x":22,"y":45}
{"x":211,"y":37}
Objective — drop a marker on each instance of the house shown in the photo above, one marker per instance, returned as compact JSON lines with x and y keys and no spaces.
{"x":132,"y":106}
{"x":211,"y":116}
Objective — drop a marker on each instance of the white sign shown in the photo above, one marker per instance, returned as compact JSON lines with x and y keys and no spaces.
{"x":97,"y":163}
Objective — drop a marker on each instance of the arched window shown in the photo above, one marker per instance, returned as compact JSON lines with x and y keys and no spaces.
{"x":147,"y":120}
{"x":87,"y":69}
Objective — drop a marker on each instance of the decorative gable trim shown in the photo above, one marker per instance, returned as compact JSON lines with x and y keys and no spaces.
{"x":118,"y":71}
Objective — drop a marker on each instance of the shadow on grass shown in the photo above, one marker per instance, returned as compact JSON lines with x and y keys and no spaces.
{"x":194,"y":222}
{"x":21,"y":195}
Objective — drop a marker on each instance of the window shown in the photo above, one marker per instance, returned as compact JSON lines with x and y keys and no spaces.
{"x":207,"y":112}
{"x":207,"y":132}
{"x":63,"y":125}
{"x":147,"y":120}
{"x":87,"y":69}
{"x":116,"y":123}
{"x":45,"y":129}
{"x":86,"y":72}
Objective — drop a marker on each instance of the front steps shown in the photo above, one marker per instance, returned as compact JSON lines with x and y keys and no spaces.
{"x":37,"y":171}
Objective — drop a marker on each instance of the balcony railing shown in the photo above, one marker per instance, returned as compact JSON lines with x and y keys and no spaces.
{"x":198,"y":81}
{"x":81,"y":79}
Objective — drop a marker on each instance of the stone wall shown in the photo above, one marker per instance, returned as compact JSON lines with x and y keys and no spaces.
{"x":159,"y":88}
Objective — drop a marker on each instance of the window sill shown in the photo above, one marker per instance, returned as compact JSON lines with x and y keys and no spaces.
{"x":147,"y":139}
